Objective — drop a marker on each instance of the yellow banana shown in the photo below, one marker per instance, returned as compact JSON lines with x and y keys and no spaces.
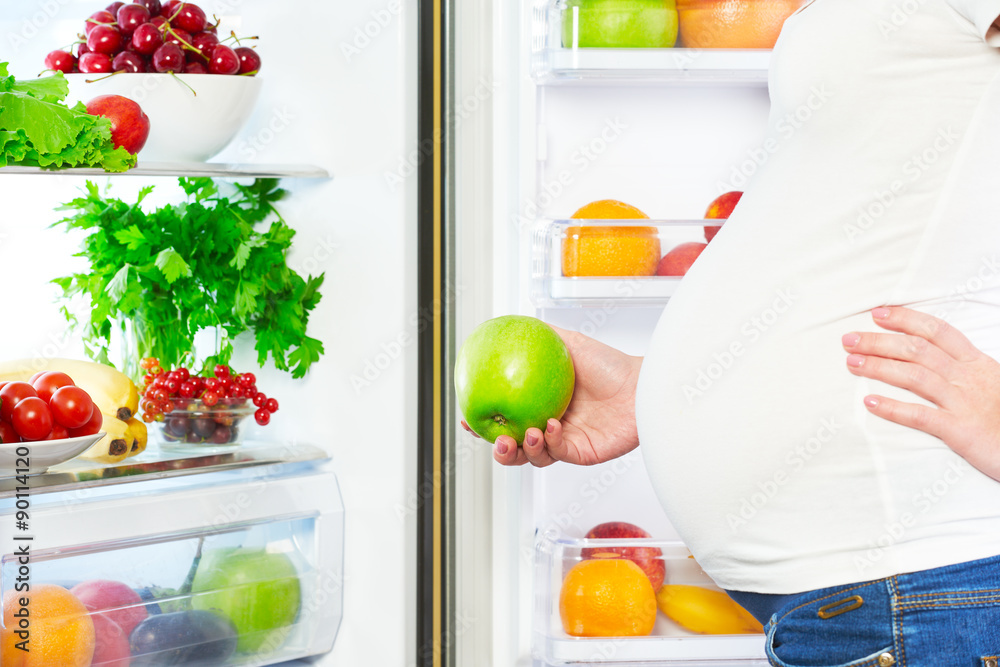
{"x":705,"y":611}
{"x":138,"y":430}
{"x":112,"y":391}
{"x":115,"y":445}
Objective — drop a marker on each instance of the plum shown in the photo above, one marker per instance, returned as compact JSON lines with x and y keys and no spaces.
{"x":192,"y":638}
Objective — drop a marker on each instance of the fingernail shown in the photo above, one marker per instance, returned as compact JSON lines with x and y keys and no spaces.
{"x":881,"y":313}
{"x":871,"y":402}
{"x":501,"y":448}
{"x":550,"y":426}
{"x":851,"y":339}
{"x":855,"y":360}
{"x":531,"y":440}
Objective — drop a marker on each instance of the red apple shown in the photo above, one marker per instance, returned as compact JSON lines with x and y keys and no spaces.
{"x":111,"y":648}
{"x":680,"y":258}
{"x":649,"y":559}
{"x":117,"y":601}
{"x":720,"y":208}
{"x":129,"y":125}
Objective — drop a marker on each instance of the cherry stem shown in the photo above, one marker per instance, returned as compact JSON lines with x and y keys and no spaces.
{"x":193,"y":91}
{"x":103,"y":77}
{"x":190,"y":47}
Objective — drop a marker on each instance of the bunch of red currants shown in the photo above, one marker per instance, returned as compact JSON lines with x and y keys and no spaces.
{"x":164,"y":392}
{"x":145,"y":36}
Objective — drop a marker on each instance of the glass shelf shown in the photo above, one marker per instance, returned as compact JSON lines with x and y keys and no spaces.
{"x":209,"y":169}
{"x":160,"y":463}
{"x":601,"y":66}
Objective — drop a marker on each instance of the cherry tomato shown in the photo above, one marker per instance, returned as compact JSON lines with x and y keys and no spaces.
{"x":91,"y":427}
{"x":37,"y":375}
{"x":31,"y":419}
{"x":8,"y":434}
{"x":11,"y":395}
{"x":71,"y":407}
{"x":58,"y":432}
{"x":48,"y":383}
{"x":3,"y":384}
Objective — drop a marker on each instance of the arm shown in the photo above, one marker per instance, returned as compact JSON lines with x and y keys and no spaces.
{"x":936,"y":362}
{"x":599,"y":424}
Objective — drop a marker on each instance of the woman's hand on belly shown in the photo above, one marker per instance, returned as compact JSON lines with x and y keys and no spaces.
{"x":937,"y":362}
{"x":599,"y":424}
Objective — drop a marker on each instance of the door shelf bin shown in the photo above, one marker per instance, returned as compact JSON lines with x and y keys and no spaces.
{"x":577,"y":44}
{"x":261,"y":550}
{"x":669,"y":644}
{"x":571,"y":260}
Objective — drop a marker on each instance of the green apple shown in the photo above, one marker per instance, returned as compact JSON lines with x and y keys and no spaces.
{"x":258,"y":591}
{"x":512,"y":373}
{"x":620,"y":23}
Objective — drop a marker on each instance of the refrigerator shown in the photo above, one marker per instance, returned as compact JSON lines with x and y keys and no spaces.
{"x":326,"y":485}
{"x":665,"y":130}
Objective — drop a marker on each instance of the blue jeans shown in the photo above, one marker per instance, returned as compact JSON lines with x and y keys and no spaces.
{"x":944,"y":617}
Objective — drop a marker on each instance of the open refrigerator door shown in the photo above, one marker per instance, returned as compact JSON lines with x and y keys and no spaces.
{"x":580,"y":114}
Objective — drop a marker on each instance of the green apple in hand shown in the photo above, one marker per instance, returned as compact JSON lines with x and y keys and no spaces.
{"x":620,"y":23}
{"x":257,"y":590}
{"x":512,"y":373}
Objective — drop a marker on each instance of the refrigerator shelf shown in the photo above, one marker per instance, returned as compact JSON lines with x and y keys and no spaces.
{"x":571,"y":260}
{"x":191,"y":169}
{"x":158,"y":463}
{"x":668,"y":644}
{"x":562,"y":66}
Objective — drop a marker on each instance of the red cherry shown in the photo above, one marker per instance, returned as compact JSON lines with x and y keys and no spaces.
{"x":195,"y":67}
{"x":168,"y":58}
{"x":95,"y":63}
{"x":190,"y":17}
{"x":131,"y":17}
{"x":153,"y":6}
{"x":61,"y":61}
{"x":204,"y":42}
{"x":114,"y":7}
{"x":146,"y":39}
{"x":105,"y":39}
{"x":169,"y":8}
{"x":249,"y":60}
{"x":160,"y":22}
{"x":126,"y":61}
{"x":262,"y":416}
{"x":102,"y":17}
{"x":181,"y":38}
{"x":224,"y":61}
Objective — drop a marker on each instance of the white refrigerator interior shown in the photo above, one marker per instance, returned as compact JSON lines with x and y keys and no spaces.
{"x":666,"y":131}
{"x":339,"y":93}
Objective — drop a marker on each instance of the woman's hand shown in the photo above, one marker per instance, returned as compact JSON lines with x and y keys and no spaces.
{"x":936,"y":362}
{"x":599,"y":424}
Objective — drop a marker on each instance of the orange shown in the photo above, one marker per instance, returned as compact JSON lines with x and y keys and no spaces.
{"x":607,"y":597}
{"x":60,"y":632}
{"x":733,"y":24}
{"x":610,"y":251}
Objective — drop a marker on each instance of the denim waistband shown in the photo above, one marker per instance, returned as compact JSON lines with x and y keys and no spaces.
{"x":761,"y":605}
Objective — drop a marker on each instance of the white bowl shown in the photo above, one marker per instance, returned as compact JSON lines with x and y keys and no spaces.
{"x":183,"y":127}
{"x":42,"y":454}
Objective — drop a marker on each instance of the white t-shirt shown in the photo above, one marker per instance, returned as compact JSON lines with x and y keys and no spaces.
{"x":878,"y":186}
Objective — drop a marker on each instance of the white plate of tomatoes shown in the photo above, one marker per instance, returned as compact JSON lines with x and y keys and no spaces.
{"x":26,"y":458}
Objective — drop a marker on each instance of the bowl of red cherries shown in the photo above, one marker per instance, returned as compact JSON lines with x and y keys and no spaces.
{"x":197,"y":84}
{"x":189,"y":409}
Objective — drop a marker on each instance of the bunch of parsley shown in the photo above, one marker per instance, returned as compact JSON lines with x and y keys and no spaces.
{"x":179,"y":269}
{"x":38,"y":129}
